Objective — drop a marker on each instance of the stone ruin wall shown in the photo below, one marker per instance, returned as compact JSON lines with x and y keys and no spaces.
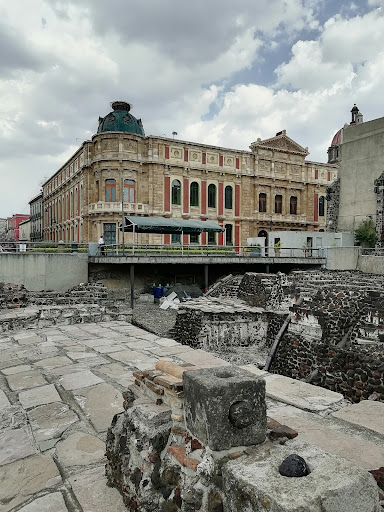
{"x":334,"y":339}
{"x":195,"y":439}
{"x":21,"y":308}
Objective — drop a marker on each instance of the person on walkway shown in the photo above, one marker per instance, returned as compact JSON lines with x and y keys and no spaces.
{"x":101,"y":245}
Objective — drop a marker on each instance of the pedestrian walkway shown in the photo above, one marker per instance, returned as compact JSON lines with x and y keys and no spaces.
{"x":61,"y":386}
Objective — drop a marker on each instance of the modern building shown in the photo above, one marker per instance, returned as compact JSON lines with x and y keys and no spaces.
{"x":123,"y":171}
{"x":358,"y":195}
{"x":13,"y":226}
{"x":36,"y":216}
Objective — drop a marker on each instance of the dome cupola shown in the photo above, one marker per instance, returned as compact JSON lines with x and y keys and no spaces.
{"x":120,"y":120}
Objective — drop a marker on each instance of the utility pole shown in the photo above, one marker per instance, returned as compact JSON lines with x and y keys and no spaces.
{"x":122,"y":212}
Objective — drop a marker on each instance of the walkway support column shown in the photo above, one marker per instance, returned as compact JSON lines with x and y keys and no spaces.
{"x":132,"y":279}
{"x":206,"y":277}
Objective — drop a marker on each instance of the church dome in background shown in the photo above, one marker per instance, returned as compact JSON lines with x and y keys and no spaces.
{"x":336,"y":138}
{"x":120,"y":120}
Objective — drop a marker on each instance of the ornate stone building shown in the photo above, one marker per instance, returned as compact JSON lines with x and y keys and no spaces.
{"x":250,"y":193}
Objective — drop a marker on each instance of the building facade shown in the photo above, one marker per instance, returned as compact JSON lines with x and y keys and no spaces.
{"x":13,"y":226}
{"x":36,"y":216}
{"x":121,"y":170}
{"x":358,"y":195}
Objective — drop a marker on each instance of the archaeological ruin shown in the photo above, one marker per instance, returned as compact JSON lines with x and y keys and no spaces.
{"x":266,"y":394}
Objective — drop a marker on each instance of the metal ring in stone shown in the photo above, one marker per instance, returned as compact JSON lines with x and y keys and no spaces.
{"x":240,"y":414}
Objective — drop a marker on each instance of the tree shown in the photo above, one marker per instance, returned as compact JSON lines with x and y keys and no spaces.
{"x":366,"y":233}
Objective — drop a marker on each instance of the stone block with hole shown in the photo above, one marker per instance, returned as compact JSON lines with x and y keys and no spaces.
{"x":332,"y":484}
{"x":225,"y":407}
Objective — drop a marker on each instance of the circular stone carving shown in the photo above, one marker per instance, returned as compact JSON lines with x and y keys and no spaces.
{"x":294,"y":465}
{"x":240,"y":414}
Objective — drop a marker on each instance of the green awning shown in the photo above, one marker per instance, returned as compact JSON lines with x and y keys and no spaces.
{"x":169,"y":226}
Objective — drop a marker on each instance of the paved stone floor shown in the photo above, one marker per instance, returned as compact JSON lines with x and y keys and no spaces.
{"x":60,"y":387}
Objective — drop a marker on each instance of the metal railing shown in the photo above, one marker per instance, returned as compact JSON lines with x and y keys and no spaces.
{"x":172,"y":250}
{"x":368,"y":251}
{"x":168,"y":250}
{"x":42,"y":247}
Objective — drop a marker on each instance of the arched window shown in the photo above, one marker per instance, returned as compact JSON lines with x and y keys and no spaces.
{"x":110,"y":190}
{"x":262,"y":202}
{"x":176,"y":192}
{"x":194,"y":194}
{"x":211,"y":196}
{"x":228,"y":194}
{"x":278,"y":204}
{"x":321,"y":206}
{"x":293,"y":205}
{"x":129,"y":191}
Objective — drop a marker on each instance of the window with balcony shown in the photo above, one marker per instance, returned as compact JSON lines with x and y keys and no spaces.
{"x":129,"y":191}
{"x":228,"y":197}
{"x":194,"y":194}
{"x":262,"y":202}
{"x":97,"y":191}
{"x":211,"y":196}
{"x":176,"y":192}
{"x":278,"y":204}
{"x":293,"y":205}
{"x":110,"y":191}
{"x":321,"y":206}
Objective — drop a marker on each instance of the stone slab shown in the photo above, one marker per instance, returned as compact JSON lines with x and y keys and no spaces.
{"x":14,"y":445}
{"x":80,"y":449}
{"x":327,"y":434}
{"x":333,"y":485}
{"x":26,"y":380}
{"x":79,"y":380}
{"x":254,"y":369}
{"x":53,"y":362}
{"x":202,"y":359}
{"x":4,"y":402}
{"x":367,"y":414}
{"x":50,"y":421}
{"x":90,"y":488}
{"x":30,"y":340}
{"x":16,"y":369}
{"x":100,"y":403}
{"x":21,"y":480}
{"x":53,"y":502}
{"x":39,"y":396}
{"x":300,"y":394}
{"x":127,"y":356}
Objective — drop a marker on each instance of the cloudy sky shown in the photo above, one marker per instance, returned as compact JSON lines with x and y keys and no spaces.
{"x":222,"y":72}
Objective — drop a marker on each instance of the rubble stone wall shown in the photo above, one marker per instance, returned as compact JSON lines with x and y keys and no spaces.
{"x":21,"y":308}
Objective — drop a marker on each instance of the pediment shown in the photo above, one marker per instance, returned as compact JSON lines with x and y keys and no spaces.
{"x":281,"y":143}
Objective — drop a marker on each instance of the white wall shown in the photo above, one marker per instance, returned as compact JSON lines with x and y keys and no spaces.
{"x":39,"y":272}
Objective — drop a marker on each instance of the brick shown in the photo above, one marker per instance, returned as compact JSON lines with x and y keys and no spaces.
{"x":138,"y":375}
{"x":169,"y":382}
{"x":154,"y":388}
{"x":179,"y":453}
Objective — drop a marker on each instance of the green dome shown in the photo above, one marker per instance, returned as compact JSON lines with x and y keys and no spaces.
{"x":120,"y":120}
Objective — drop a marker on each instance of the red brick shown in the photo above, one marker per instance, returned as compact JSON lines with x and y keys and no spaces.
{"x":154,"y":388}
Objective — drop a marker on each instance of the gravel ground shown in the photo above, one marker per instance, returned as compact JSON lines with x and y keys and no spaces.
{"x":159,"y":321}
{"x":154,"y":319}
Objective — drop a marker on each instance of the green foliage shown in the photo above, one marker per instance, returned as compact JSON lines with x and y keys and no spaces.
{"x":366,"y":233}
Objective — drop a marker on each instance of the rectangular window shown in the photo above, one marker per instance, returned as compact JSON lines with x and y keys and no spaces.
{"x":228,"y":234}
{"x":194,"y":194}
{"x":211,"y":238}
{"x":262,"y":203}
{"x":293,"y":205}
{"x":175,"y":239}
{"x":194,"y":238}
{"x":278,"y":204}
{"x":129,"y":191}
